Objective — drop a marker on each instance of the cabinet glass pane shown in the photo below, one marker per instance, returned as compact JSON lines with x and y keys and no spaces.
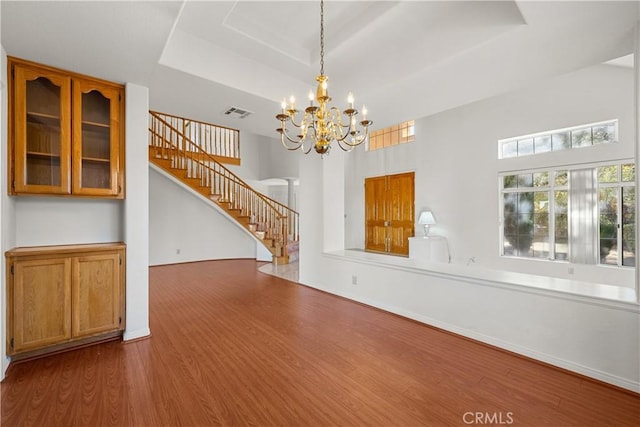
{"x":96,"y":140}
{"x":43,"y":133}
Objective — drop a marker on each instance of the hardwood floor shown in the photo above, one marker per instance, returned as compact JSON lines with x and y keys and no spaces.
{"x":234,"y":346}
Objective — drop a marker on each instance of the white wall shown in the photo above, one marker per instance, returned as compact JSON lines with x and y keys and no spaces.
{"x":136,"y":212}
{"x":455,"y":161}
{"x":63,"y":220}
{"x":280,"y":193}
{"x":252,"y":160}
{"x":182,"y":221}
{"x":7,"y":211}
{"x":585,"y":335}
{"x":281,"y":163}
{"x":265,"y":158}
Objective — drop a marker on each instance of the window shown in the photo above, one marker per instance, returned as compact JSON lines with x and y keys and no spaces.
{"x":616,"y":209}
{"x":561,"y":139}
{"x":392,"y":135}
{"x":535,"y":215}
{"x":536,"y":222}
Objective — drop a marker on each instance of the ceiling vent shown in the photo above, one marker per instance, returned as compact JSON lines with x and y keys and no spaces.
{"x":237,"y":112}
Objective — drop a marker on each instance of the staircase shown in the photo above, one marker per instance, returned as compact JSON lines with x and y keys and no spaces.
{"x":273,"y":224}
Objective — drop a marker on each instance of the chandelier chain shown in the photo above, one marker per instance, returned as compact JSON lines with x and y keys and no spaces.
{"x":322,"y":123}
{"x":322,"y":37}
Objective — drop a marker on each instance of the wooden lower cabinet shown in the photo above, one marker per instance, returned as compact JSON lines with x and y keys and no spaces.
{"x":63,"y":296}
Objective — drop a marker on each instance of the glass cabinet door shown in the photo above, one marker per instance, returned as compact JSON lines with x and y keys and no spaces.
{"x":96,"y":130}
{"x":42,"y":133}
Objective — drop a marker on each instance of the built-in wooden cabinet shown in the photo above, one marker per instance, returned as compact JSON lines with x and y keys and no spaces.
{"x":65,"y":133}
{"x":64,"y":296}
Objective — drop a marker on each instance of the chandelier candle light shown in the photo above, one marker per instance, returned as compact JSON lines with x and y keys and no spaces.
{"x":321,"y":123}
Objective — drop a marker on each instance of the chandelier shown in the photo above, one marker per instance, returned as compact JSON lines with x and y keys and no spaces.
{"x":322,"y":124}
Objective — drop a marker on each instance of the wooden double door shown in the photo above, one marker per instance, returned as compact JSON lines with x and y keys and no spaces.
{"x":389,"y":213}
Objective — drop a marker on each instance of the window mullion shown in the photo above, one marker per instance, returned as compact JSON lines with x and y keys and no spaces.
{"x":552,"y":217}
{"x":619,"y":224}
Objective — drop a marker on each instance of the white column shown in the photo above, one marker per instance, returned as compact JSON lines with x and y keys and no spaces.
{"x":636,"y":80}
{"x":333,"y":199}
{"x":290,"y":193}
{"x":136,"y":215}
{"x":310,"y":206}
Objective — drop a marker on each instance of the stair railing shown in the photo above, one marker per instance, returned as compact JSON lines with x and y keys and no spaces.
{"x":221,"y":142}
{"x":277,"y":220}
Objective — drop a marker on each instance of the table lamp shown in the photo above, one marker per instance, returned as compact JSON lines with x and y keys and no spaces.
{"x":426,"y":218}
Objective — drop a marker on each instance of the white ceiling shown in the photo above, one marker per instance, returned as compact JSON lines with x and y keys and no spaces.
{"x":404,"y":59}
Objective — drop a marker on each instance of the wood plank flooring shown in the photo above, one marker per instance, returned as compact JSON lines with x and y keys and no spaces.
{"x":233,"y":346}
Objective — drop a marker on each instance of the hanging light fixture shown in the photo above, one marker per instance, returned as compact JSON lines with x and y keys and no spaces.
{"x":322,"y":124}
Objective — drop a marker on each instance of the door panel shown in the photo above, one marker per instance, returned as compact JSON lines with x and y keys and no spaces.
{"x":389,"y":213}
{"x":96,"y":136}
{"x":96,"y":295}
{"x":401,"y":193}
{"x":41,"y":297}
{"x":375,"y":213}
{"x":42,"y":131}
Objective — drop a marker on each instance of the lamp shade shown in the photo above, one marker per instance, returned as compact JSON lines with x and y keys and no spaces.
{"x":426,"y":218}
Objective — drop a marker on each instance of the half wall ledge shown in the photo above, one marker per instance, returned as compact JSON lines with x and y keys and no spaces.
{"x":610,"y":295}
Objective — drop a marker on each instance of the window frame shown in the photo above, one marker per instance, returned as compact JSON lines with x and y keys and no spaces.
{"x":550,"y":189}
{"x":619,"y":185}
{"x":570,"y":130}
{"x":391,"y":136}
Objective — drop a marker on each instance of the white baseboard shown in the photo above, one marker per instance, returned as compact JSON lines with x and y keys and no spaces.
{"x":5,"y":366}
{"x":524,"y":351}
{"x":137,"y":334}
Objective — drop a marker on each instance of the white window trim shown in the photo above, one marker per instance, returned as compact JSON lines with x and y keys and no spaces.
{"x":501,"y":142}
{"x":551,"y":188}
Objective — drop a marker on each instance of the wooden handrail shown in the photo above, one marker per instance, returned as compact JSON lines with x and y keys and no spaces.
{"x":216,"y":140}
{"x":211,"y":159}
{"x":280,"y":222}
